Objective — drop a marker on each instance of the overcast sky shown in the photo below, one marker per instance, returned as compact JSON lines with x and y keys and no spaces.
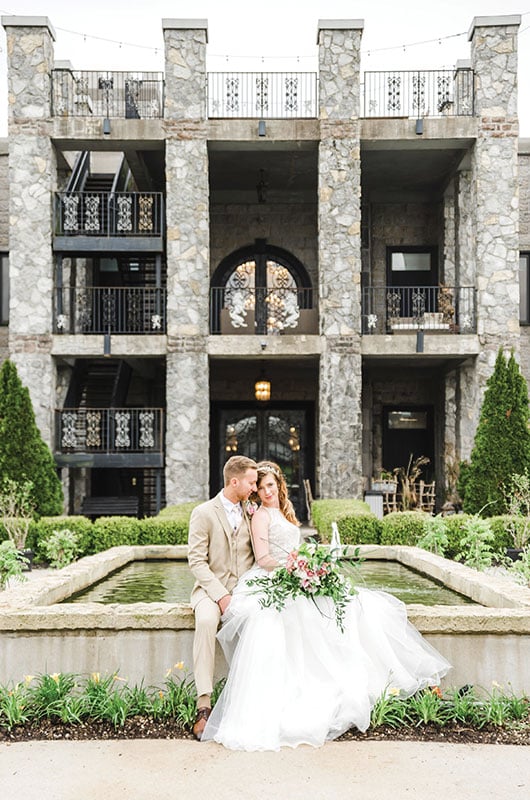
{"x":245,"y":35}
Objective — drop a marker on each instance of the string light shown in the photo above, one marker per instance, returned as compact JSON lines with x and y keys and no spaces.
{"x":263,"y":57}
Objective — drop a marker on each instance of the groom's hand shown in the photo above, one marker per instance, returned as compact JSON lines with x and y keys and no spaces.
{"x":224,"y":602}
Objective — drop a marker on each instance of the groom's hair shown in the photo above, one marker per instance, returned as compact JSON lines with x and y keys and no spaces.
{"x":237,"y":466}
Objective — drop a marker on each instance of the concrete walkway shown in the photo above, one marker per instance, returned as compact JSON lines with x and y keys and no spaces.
{"x":171,"y":770}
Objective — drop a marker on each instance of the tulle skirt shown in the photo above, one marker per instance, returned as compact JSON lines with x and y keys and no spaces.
{"x":296,"y":678}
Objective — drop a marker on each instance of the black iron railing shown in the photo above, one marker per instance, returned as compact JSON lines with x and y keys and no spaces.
{"x":111,"y":309}
{"x":263,"y":95}
{"x":109,"y":430}
{"x":235,"y":310}
{"x":394,"y":309}
{"x":122,"y":95}
{"x":109,"y":213}
{"x":419,"y":93}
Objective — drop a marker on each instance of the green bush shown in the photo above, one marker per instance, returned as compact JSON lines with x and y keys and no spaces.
{"x":41,"y":530}
{"x":182,"y":511}
{"x":114,"y":531}
{"x":164,"y":530}
{"x":359,"y":529}
{"x":324,"y":512}
{"x":502,"y":440}
{"x":455,"y":527}
{"x":403,"y":527}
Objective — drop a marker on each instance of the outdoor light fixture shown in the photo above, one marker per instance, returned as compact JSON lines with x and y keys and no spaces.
{"x":262,"y":131}
{"x":262,"y":389}
{"x":106,"y":345}
{"x":419,"y":127}
{"x":106,"y":125}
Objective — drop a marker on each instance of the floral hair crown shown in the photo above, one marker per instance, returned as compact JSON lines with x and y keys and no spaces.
{"x":264,"y":468}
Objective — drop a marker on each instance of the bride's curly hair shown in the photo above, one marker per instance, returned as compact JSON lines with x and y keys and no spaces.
{"x":286,"y":507}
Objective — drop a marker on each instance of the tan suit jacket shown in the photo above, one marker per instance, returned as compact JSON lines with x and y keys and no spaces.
{"x":211,"y":551}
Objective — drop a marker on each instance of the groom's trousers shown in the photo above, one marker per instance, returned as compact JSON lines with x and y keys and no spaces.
{"x":207,"y":616}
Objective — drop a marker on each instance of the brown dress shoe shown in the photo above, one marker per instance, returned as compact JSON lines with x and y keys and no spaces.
{"x":200,"y":722}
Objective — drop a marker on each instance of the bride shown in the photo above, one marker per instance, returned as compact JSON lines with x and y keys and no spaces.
{"x":294,"y":676}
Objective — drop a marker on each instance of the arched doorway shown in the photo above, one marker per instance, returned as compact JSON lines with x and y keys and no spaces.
{"x":261,"y":288}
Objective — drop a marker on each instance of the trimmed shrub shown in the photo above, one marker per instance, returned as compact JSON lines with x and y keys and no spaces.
{"x":41,"y":530}
{"x":502,"y":440}
{"x":24,"y":455}
{"x":501,"y":531}
{"x":359,"y":528}
{"x":182,"y":511}
{"x":165,"y":530}
{"x":114,"y":531}
{"x":324,"y":512}
{"x":403,"y":527}
{"x":454,"y":526}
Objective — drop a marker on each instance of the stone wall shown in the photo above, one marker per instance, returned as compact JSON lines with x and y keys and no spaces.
{"x":407,"y":224}
{"x":524,"y":201}
{"x":291,"y":226}
{"x":32,"y":171}
{"x":339,"y":226}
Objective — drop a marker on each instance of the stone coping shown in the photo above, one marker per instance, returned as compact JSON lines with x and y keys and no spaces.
{"x":499,"y":21}
{"x":15,"y":21}
{"x":35,"y":606}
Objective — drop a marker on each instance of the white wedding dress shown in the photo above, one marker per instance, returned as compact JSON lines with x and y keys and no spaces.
{"x":295,"y":678}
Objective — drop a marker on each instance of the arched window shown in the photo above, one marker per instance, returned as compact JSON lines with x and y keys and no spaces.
{"x":261,"y":287}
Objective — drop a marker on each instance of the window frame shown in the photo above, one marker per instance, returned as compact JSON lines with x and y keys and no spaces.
{"x":524,"y":318}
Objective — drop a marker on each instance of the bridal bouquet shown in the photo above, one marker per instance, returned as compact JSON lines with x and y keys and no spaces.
{"x":313,"y":571}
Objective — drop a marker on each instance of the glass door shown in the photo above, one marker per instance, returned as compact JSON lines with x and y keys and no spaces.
{"x":278,"y":434}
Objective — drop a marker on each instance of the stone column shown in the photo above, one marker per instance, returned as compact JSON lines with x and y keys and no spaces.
{"x":494,"y":182}
{"x":32,"y":181}
{"x":339,"y":214}
{"x":188,"y":261}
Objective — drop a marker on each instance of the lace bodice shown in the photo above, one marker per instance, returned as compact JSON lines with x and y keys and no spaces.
{"x":283,"y":535}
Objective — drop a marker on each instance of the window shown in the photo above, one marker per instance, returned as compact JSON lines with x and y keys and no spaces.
{"x":524,"y":289}
{"x":4,"y":289}
{"x":410,"y":262}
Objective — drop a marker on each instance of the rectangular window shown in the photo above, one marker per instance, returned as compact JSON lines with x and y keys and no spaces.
{"x":411,"y":262}
{"x":407,"y":420}
{"x":4,"y":289}
{"x":524,"y":292}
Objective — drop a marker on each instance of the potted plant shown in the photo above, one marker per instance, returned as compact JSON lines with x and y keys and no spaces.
{"x":385,"y":483}
{"x":16,"y":513}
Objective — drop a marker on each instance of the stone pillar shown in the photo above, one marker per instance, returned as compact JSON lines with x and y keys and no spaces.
{"x":32,"y":181}
{"x":340,"y":428}
{"x":494,"y":189}
{"x":188,"y":261}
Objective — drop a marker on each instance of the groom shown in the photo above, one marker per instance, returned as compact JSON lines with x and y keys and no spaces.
{"x":219,"y":552}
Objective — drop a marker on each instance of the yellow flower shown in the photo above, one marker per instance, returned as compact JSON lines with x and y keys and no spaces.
{"x":55,"y":677}
{"x":393,"y":691}
{"x":496,"y":685}
{"x":179,"y":665}
{"x":95,"y":677}
{"x":28,"y":679}
{"x":161,"y":694}
{"x":114,"y":678}
{"x":168,"y":672}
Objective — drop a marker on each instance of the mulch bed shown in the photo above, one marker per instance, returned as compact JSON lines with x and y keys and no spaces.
{"x":146,"y":728}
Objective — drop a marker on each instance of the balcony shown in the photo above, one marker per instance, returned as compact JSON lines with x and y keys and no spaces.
{"x":405,"y":309}
{"x":110,"y":309}
{"x":81,"y":217}
{"x":118,"y":95}
{"x":109,"y":437}
{"x":262,"y":95}
{"x":419,"y":93}
{"x":262,"y":311}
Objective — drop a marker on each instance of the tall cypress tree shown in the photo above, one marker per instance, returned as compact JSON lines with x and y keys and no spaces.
{"x":24,"y":455}
{"x":502,"y":439}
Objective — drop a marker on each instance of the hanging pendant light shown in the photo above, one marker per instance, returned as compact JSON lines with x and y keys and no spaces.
{"x":262,"y":388}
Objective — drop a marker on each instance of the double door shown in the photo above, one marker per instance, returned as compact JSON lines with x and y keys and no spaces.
{"x":283,"y":434}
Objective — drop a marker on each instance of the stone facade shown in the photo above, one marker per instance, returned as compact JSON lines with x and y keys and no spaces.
{"x":476,"y":214}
